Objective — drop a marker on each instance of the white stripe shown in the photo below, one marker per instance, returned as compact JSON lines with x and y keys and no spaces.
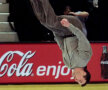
{"x":7,"y":32}
{"x":4,"y":13}
{"x":6,"y":22}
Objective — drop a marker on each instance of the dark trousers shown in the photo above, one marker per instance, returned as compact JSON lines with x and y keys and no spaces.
{"x":47,"y":17}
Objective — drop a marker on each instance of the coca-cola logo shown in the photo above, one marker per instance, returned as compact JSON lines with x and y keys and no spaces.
{"x":22,"y":69}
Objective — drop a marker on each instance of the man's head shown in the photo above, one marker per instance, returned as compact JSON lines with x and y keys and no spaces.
{"x":67,"y":10}
{"x":81,"y":76}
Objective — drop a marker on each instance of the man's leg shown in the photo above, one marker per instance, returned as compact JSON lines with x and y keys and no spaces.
{"x":46,"y":15}
{"x":44,"y":12}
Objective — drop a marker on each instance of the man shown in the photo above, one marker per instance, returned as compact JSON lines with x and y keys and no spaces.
{"x":79,"y":74}
{"x":75,"y":47}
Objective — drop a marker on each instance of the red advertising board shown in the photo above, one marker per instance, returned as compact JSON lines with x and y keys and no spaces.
{"x":42,"y":63}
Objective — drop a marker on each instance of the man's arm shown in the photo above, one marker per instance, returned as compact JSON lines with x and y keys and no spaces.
{"x":81,"y":14}
{"x":84,"y":49}
{"x":73,"y":29}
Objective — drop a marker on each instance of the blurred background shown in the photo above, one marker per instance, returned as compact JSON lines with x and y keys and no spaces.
{"x":23,"y":26}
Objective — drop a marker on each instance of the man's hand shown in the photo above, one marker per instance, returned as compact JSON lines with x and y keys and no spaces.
{"x":65,"y":22}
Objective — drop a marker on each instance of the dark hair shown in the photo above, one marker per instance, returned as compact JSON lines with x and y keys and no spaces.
{"x":87,"y":77}
{"x":67,"y":10}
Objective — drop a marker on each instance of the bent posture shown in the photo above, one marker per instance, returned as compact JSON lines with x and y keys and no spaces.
{"x":76,"y":49}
